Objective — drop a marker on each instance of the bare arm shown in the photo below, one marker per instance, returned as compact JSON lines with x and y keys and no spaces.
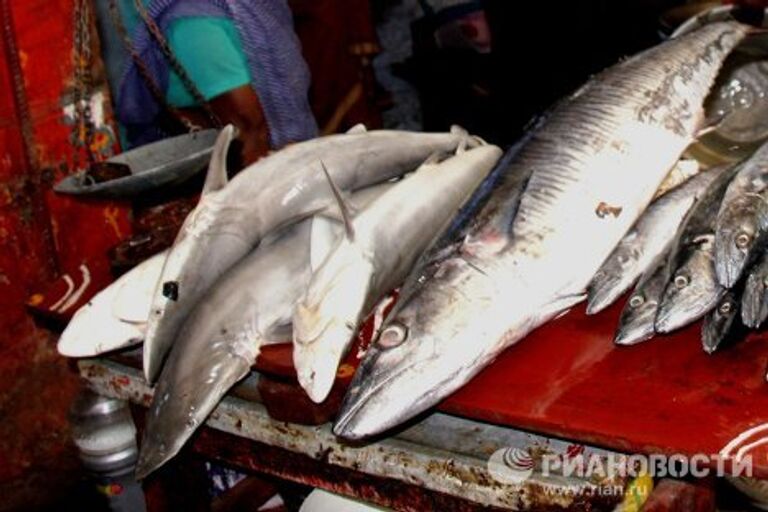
{"x":242,"y":108}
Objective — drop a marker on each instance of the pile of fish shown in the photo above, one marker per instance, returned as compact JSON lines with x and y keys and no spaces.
{"x":486,"y":247}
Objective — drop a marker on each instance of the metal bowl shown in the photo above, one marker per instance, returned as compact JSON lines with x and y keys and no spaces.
{"x":738,"y":104}
{"x":165,"y":162}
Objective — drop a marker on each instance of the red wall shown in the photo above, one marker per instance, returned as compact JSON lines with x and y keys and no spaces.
{"x":41,"y":233}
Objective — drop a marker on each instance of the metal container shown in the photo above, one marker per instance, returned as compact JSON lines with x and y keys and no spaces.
{"x":738,"y":105}
{"x":165,"y":162}
{"x":104,"y":433}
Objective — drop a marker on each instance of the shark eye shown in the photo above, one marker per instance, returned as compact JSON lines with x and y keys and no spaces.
{"x":681,"y":281}
{"x":636,"y":301}
{"x":743,"y":240}
{"x":393,"y":336}
{"x":725,"y":308}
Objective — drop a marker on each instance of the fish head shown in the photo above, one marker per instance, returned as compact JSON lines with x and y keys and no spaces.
{"x":189,"y":388}
{"x":602,"y":289}
{"x":206,"y":247}
{"x":718,"y":323}
{"x":692,"y":291}
{"x":327,"y":317}
{"x":637,"y":319}
{"x":737,"y":240}
{"x":431,"y":346}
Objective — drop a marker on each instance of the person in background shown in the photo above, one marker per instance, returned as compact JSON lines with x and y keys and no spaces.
{"x":242,"y":58}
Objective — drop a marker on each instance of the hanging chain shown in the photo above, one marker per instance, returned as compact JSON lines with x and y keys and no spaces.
{"x":144,"y":71}
{"x":174,"y":63}
{"x":84,"y":128}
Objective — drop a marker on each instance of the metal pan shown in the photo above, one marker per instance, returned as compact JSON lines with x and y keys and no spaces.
{"x":165,"y":162}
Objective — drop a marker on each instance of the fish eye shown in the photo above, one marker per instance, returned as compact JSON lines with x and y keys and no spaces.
{"x":393,"y":336}
{"x":681,"y":281}
{"x":726,"y":307}
{"x":743,"y":240}
{"x":636,"y":301}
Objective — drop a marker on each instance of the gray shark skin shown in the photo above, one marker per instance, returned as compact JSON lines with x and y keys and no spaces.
{"x":249,"y":307}
{"x":276,"y":191}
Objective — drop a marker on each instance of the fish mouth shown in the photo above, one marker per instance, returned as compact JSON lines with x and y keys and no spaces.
{"x":602,"y":296}
{"x":347,"y":425}
{"x":635,"y":333}
{"x":317,"y":359}
{"x":316,"y":373}
{"x":173,"y":421}
{"x":729,"y":266}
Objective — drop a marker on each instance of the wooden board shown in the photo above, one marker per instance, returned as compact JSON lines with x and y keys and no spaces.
{"x":664,"y":396}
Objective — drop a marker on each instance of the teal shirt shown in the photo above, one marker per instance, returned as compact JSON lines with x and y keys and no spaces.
{"x":208,"y":48}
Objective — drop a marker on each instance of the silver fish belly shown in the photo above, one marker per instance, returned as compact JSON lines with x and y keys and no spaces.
{"x":593,"y":174}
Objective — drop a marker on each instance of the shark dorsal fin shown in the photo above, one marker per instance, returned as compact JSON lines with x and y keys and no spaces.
{"x":343,"y":208}
{"x":358,"y":128}
{"x":216,"y":179}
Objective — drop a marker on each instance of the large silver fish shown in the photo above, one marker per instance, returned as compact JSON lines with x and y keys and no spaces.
{"x":384,"y":242}
{"x":638,"y":318}
{"x":249,"y":307}
{"x":754,"y":302}
{"x":692,"y":286}
{"x":274,"y":192}
{"x":647,"y":239}
{"x":597,"y":161}
{"x":742,"y":222}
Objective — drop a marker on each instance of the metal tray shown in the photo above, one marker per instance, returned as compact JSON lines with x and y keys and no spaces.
{"x":160,"y":163}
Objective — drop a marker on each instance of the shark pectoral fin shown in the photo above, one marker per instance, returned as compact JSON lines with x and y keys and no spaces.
{"x":358,"y":128}
{"x":343,"y":208}
{"x":323,"y":236}
{"x":216,"y":179}
{"x":561,"y":306}
{"x":433,"y":159}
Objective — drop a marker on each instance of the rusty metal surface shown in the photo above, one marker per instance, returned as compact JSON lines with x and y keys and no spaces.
{"x":443,"y":454}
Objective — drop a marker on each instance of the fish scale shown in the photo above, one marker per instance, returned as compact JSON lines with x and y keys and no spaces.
{"x":488,"y":300}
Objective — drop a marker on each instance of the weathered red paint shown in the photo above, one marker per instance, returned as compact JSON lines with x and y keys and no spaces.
{"x":41,"y":234}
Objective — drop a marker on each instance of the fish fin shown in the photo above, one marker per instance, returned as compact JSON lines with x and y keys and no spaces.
{"x":358,"y":128}
{"x":323,"y":234}
{"x":561,"y":305}
{"x":466,"y":140}
{"x":346,"y":217}
{"x":434,"y":158}
{"x":216,"y":179}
